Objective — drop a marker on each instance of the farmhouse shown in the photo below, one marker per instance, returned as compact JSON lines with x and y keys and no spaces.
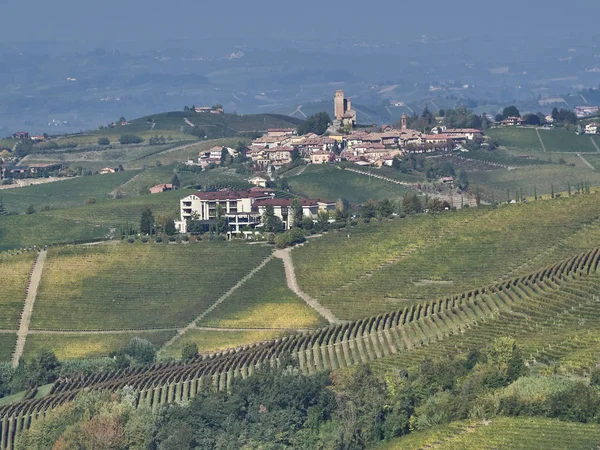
{"x":512,"y":121}
{"x":258,"y":181}
{"x":320,"y":157}
{"x":591,"y":128}
{"x":108,"y":170}
{"x":161,"y":188}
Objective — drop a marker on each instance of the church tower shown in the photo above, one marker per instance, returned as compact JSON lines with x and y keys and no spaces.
{"x":403,"y":121}
{"x":339,"y":105}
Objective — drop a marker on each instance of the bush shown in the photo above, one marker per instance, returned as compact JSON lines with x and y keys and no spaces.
{"x":131,"y":240}
{"x":141,"y":351}
{"x":90,"y":201}
{"x":172,"y":239}
{"x":189,"y":351}
{"x":130,"y":139}
{"x":158,"y":239}
{"x":289,"y":238}
{"x":145,"y":240}
{"x":185,"y":238}
{"x":103,"y":141}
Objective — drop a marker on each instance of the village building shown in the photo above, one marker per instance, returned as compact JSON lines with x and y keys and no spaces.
{"x":258,"y":181}
{"x":591,"y":128}
{"x":343,"y":113}
{"x":321,"y":157}
{"x":512,"y":121}
{"x":108,"y":170}
{"x":242,"y":209}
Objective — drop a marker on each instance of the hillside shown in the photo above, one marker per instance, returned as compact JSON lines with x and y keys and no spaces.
{"x":214,"y":125}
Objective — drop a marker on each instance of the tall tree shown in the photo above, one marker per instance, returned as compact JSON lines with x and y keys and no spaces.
{"x":272,"y":223}
{"x":297,"y":214}
{"x":221,"y":221}
{"x":147,"y":221}
{"x":3,"y":211}
{"x":175,"y":181}
{"x":510,"y":111}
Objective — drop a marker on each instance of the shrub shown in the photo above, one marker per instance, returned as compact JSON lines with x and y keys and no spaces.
{"x":90,"y":201}
{"x":131,"y":240}
{"x":159,"y":239}
{"x":172,"y":239}
{"x":289,"y":238}
{"x":189,"y":351}
{"x":140,"y":350}
{"x":185,"y":238}
{"x":145,"y":240}
{"x":130,"y":139}
{"x":103,"y":141}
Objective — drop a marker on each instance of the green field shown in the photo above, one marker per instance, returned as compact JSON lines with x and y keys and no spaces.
{"x":330,"y":183}
{"x":42,"y":228}
{"x":503,"y":433}
{"x":516,"y":137}
{"x":72,"y":346}
{"x":554,"y":139}
{"x":65,"y":193}
{"x":264,"y":302}
{"x":212,"y":341}
{"x":137,"y":286}
{"x":14,"y":277}
{"x":509,"y":239}
{"x":557,"y":140}
{"x":7,"y":346}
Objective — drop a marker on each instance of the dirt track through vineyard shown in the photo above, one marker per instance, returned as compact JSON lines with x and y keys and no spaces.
{"x":34,"y":283}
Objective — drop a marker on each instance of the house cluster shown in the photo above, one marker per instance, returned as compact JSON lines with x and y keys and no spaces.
{"x":243,"y":210}
{"x":274,"y":149}
{"x":209,"y":109}
{"x":32,"y":170}
{"x":586,"y":111}
{"x":212,"y":156}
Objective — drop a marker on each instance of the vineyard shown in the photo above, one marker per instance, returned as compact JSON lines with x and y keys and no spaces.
{"x":563,"y":295}
{"x":419,"y":257}
{"x":73,"y":345}
{"x":14,"y":276}
{"x":137,"y":286}
{"x":264,"y":302}
{"x":503,"y":433}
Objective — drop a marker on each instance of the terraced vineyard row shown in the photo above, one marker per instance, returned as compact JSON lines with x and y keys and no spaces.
{"x":568,"y":288}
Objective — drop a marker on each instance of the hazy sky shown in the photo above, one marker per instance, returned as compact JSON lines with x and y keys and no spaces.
{"x":136,"y":20}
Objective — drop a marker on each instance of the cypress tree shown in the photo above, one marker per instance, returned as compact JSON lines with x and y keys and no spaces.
{"x":551,"y":190}
{"x":3,"y":210}
{"x":569,"y":188}
{"x":534,"y":192}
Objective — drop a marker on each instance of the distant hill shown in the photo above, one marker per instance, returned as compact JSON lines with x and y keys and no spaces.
{"x":206,"y":124}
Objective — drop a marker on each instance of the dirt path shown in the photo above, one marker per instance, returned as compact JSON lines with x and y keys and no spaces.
{"x":540,"y":138}
{"x":192,"y":324}
{"x":34,"y":282}
{"x":292,"y":282}
{"x":585,"y":161}
{"x":594,"y":143}
{"x":186,"y":120}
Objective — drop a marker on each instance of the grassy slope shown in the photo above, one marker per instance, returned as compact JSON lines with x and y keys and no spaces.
{"x":65,"y":193}
{"x":212,"y":341}
{"x":503,"y":433}
{"x":14,"y":275}
{"x":330,"y":183}
{"x":513,"y":237}
{"x":137,"y":286}
{"x":88,"y":346}
{"x":264,"y":302}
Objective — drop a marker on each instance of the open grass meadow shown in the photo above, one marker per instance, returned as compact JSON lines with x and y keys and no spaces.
{"x":42,"y":228}
{"x":331,"y":183}
{"x":75,"y":346}
{"x":209,"y":341}
{"x":65,"y":193}
{"x":503,"y":433}
{"x":7,"y":346}
{"x":511,"y":239}
{"x":137,"y":286}
{"x":14,"y":275}
{"x":264,"y":301}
